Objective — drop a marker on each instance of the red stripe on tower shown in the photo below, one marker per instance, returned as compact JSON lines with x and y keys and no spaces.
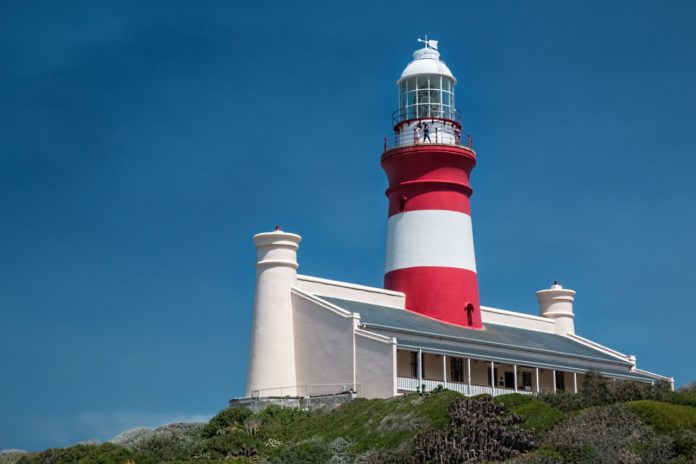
{"x":430,"y":247}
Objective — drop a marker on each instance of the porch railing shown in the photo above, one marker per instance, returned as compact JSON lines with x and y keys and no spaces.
{"x":412,"y":384}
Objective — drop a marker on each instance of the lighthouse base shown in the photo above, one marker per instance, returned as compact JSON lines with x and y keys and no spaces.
{"x":443,"y":293}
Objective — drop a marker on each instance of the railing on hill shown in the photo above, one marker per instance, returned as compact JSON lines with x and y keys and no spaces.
{"x":307,"y":390}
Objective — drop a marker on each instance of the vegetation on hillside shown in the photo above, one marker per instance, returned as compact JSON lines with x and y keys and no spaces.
{"x":607,"y":422}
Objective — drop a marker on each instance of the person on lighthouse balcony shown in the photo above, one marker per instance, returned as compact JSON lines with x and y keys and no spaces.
{"x":426,"y":132}
{"x":425,"y":329}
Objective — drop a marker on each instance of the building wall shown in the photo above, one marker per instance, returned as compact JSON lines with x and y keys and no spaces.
{"x":323,"y":344}
{"x":375,"y":365}
{"x":514,"y":319}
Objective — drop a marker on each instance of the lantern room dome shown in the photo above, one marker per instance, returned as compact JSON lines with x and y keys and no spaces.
{"x":426,"y":61}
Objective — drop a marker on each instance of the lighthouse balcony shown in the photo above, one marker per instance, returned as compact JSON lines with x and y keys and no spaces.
{"x":432,"y":127}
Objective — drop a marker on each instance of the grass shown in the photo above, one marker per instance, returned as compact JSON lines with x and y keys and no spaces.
{"x":367,"y":424}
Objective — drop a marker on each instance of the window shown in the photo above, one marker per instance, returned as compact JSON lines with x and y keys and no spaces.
{"x":527,"y":380}
{"x":456,"y":369}
{"x":414,"y":364}
{"x":560,"y":381}
{"x":470,"y":314}
{"x":509,"y":377}
{"x":426,"y":96}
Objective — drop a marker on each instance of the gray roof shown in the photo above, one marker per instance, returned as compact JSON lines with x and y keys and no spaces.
{"x":529,"y":347}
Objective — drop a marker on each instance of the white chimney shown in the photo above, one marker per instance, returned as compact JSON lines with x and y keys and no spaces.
{"x":272,"y":353}
{"x":557,"y":303}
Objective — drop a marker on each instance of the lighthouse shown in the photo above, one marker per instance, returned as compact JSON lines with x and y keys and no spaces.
{"x":316,"y":341}
{"x":430,"y":246}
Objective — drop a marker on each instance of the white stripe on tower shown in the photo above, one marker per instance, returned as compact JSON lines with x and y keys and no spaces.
{"x":430,"y":238}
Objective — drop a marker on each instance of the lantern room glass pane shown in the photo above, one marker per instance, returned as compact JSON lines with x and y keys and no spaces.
{"x":426,"y":96}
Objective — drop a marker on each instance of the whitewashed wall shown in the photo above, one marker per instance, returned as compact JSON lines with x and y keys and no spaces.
{"x":323,"y":342}
{"x":375,"y":364}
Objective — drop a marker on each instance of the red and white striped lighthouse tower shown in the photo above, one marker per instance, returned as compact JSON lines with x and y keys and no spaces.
{"x":430,"y":246}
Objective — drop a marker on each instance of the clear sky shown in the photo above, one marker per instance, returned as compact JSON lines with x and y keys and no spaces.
{"x":142,"y":144}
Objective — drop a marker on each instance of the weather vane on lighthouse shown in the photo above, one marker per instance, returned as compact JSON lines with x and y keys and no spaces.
{"x":428,"y":43}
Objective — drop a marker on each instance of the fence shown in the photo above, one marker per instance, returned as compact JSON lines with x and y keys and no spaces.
{"x":439,"y":133}
{"x":307,"y":390}
{"x":412,"y":384}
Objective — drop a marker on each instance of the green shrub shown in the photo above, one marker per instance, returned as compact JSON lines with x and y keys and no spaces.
{"x":685,"y":397}
{"x":480,"y":429}
{"x":366,"y":424}
{"x":597,"y":390}
{"x":232,"y":417}
{"x":688,"y":388}
{"x":11,"y":456}
{"x":611,"y":434}
{"x":169,"y":447}
{"x":80,"y":454}
{"x":233,"y":443}
{"x":665,"y":417}
{"x":540,"y":456}
{"x":279,"y":415}
{"x":537,"y":415}
{"x":685,"y":442}
{"x":563,"y":401}
{"x":306,"y":452}
{"x":385,"y":456}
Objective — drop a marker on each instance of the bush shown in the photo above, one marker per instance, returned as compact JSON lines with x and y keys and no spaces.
{"x":385,"y":456}
{"x":686,"y":397}
{"x":689,"y":388}
{"x":11,"y":456}
{"x":538,"y":415}
{"x":80,"y":454}
{"x":480,"y":429}
{"x":608,"y":434}
{"x":309,"y":452}
{"x":232,"y":417}
{"x":233,"y":443}
{"x":599,"y":391}
{"x":541,"y":456}
{"x":665,"y":417}
{"x":685,"y":442}
{"x":169,"y":445}
{"x":279,"y":415}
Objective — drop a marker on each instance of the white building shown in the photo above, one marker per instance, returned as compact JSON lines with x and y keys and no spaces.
{"x":313,"y":336}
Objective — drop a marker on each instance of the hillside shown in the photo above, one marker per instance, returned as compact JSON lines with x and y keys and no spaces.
{"x":618,"y":422}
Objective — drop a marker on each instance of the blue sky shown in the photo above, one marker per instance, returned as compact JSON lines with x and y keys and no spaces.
{"x":144,"y":143}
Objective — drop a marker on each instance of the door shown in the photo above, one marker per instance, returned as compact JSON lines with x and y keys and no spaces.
{"x":509,"y":380}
